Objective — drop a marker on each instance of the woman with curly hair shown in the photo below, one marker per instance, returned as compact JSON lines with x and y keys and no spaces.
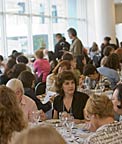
{"x":69,"y":100}
{"x":11,"y":116}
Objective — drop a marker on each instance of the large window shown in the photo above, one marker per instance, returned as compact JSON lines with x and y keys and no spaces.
{"x":26,"y":25}
{"x":17,"y":33}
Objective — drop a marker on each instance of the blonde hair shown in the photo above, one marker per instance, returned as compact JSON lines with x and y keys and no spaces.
{"x":11,"y":116}
{"x":40,"y":135}
{"x":100,"y":105}
{"x":15,"y":84}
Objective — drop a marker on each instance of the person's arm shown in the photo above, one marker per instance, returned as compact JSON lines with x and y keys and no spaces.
{"x":55,"y":114}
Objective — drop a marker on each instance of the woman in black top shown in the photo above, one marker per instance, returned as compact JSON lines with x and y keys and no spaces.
{"x":69,"y":99}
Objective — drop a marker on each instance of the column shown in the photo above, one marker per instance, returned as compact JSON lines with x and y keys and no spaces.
{"x":105,"y":20}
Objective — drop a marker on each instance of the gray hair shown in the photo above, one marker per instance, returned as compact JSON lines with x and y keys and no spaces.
{"x":15,"y":84}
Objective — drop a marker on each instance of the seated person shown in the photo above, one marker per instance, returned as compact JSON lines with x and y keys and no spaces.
{"x":117,"y":101}
{"x":23,"y":59}
{"x":40,"y":135}
{"x":92,"y":75}
{"x":6,"y":76}
{"x":28,"y":81}
{"x":26,"y":103}
{"x":109,"y":70}
{"x":11,"y":116}
{"x":41,"y":66}
{"x":73,"y":61}
{"x":68,"y":100}
{"x":50,"y":81}
{"x":100,"y":113}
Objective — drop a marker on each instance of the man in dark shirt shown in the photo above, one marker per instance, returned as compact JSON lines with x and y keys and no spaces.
{"x":61,"y":46}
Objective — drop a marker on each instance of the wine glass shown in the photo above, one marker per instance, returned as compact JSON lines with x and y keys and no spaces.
{"x":36,"y":116}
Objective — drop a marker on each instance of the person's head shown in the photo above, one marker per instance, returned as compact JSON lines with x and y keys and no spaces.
{"x":72,"y":33}
{"x":113,"y":62}
{"x":117,"y":99}
{"x":1,"y":58}
{"x":121,"y":44}
{"x":94,"y":47}
{"x":39,"y":54}
{"x":119,"y":53}
{"x":98,"y":110}
{"x":22,"y":59}
{"x":17,"y":86}
{"x":91,"y":71}
{"x":58,"y":37}
{"x":107,"y":40}
{"x":66,"y":83}
{"x":11,"y":116}
{"x":69,"y":57}
{"x":27,"y":79}
{"x":17,"y":69}
{"x":40,"y":135}
{"x":51,"y":56}
{"x":108,"y":50}
{"x":9,"y":66}
{"x":62,"y":66}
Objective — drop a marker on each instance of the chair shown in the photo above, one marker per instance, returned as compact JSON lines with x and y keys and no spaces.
{"x":40,"y":88}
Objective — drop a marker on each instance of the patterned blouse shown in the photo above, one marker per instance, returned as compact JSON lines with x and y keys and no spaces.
{"x":107,"y":134}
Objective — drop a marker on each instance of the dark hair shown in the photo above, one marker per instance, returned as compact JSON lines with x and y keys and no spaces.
{"x":59,"y":35}
{"x":68,"y":57}
{"x":89,"y":69}
{"x":72,"y":31}
{"x":119,"y":96}
{"x":113,"y":62}
{"x":94,"y":47}
{"x":121,"y":44}
{"x":22,"y":59}
{"x":65,"y":75}
{"x":17,"y":69}
{"x":9,"y":66}
{"x":79,"y":62}
{"x":27,"y":79}
{"x":1,"y":58}
{"x":107,"y":38}
{"x":51,"y":56}
{"x":107,"y":50}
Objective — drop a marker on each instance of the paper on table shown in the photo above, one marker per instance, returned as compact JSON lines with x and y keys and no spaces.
{"x":48,"y":95}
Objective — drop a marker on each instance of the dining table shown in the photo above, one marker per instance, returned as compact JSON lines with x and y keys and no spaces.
{"x":76,"y":135}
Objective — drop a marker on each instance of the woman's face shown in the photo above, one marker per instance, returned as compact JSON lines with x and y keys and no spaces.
{"x":68,"y":87}
{"x":116,"y":102}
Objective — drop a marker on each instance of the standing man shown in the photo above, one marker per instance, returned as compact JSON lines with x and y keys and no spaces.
{"x":76,"y":47}
{"x":61,"y":46}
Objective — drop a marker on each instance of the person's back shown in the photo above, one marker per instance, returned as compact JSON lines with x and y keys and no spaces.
{"x":43,"y":67}
{"x":111,"y":74}
{"x":107,"y":134}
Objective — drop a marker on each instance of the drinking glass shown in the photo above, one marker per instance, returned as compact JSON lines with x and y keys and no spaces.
{"x":36,"y":117}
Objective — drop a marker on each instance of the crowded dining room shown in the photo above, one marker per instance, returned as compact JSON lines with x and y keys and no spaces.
{"x":60,"y":71}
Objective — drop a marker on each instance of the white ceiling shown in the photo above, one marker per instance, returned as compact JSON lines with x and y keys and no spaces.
{"x":118,"y":1}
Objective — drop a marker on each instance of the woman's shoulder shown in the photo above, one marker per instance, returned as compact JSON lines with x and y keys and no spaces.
{"x":81,"y":95}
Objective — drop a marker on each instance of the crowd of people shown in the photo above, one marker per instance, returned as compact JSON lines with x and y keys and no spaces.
{"x":71,"y":72}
